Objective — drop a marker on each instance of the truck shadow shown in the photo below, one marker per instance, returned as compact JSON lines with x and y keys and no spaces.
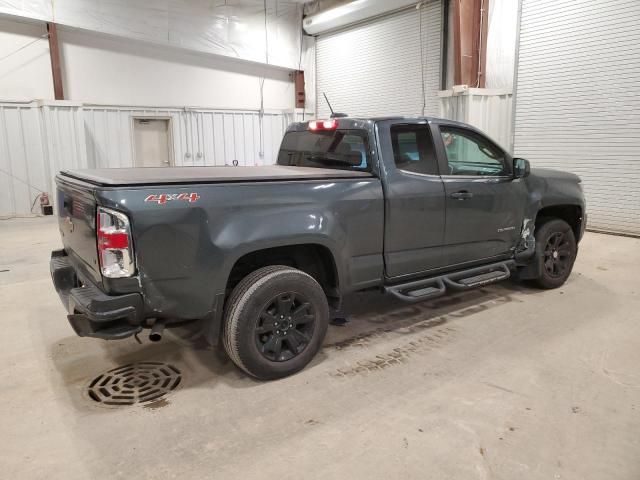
{"x":370,"y":315}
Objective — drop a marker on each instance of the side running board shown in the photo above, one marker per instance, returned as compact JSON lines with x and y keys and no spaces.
{"x":433,"y":287}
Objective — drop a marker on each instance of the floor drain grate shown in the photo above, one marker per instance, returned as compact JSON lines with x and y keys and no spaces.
{"x":134,"y":383}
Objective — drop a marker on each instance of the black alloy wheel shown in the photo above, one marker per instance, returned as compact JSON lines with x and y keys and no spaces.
{"x":556,"y":250}
{"x":275,"y":321}
{"x":285,"y":327}
{"x":558,"y":255}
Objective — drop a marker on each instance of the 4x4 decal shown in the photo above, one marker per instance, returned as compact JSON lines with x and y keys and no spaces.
{"x":163,"y":198}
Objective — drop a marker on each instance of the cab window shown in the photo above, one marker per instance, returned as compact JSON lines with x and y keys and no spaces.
{"x":413,"y":149}
{"x":470,"y":154}
{"x":338,"y":149}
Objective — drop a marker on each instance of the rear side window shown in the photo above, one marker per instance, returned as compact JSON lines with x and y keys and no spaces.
{"x":339,"y":149}
{"x":413,"y":149}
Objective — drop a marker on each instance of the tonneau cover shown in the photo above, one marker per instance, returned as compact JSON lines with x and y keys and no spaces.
{"x":181,"y":175}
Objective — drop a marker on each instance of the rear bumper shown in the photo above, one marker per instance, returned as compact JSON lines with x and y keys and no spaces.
{"x":93,"y":313}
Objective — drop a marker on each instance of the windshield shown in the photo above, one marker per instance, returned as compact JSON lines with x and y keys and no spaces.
{"x":339,"y":149}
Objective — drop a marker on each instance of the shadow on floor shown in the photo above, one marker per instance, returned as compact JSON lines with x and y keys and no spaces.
{"x":369,"y":314}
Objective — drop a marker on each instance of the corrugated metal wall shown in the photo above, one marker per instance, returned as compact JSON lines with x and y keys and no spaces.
{"x":38,"y":140}
{"x":488,"y":110}
{"x":577,"y":101}
{"x":200,"y":137}
{"x":23,"y":166}
{"x":376,"y":68}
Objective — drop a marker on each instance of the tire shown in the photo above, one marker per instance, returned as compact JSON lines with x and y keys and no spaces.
{"x":260,"y":337}
{"x":556,"y":250}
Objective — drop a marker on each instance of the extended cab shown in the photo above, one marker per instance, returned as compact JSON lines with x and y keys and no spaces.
{"x":414,"y":207}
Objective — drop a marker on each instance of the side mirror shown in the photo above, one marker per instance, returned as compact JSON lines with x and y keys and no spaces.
{"x":521,"y":168}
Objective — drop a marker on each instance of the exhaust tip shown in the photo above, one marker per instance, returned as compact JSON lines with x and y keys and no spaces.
{"x":156,"y":332}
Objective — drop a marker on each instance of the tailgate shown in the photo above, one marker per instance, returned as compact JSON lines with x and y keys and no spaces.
{"x":77,"y":222}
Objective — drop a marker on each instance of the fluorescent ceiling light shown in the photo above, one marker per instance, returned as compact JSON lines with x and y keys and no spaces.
{"x":351,"y":12}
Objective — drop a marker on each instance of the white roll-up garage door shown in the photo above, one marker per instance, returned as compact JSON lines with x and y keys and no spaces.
{"x":578,"y":101}
{"x":379,"y":67}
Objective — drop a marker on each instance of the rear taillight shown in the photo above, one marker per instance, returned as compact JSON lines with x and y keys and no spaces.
{"x":115,"y":249}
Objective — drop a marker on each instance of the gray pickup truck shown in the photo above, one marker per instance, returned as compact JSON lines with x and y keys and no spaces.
{"x":413,"y":207}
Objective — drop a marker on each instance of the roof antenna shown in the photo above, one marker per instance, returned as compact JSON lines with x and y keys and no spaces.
{"x":333,"y":114}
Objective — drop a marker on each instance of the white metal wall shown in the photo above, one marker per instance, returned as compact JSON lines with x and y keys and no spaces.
{"x":23,"y":168}
{"x":577,"y":101}
{"x":486,"y":109}
{"x":24,"y":74}
{"x":37,"y":140}
{"x":265,"y":31}
{"x":379,"y":67}
{"x":200,"y":137}
{"x":152,"y":75}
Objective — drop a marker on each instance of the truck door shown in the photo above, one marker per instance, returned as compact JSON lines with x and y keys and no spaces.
{"x":484,"y":203}
{"x":414,"y":199}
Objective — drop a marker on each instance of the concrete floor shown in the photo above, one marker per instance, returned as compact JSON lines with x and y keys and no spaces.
{"x":506,"y":382}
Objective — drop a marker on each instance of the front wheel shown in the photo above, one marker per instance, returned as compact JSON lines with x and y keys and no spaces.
{"x":275,"y":322}
{"x":556,"y":249}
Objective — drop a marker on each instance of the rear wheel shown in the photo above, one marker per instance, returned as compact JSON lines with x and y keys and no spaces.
{"x":275,"y":322}
{"x":556,"y":249}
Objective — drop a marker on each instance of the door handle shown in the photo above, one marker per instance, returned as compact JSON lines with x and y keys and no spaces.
{"x":461,"y":195}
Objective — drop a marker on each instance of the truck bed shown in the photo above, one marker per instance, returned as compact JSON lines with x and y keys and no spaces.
{"x":115,"y":177}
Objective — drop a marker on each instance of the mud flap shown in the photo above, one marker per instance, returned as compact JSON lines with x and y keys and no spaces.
{"x":212,"y":325}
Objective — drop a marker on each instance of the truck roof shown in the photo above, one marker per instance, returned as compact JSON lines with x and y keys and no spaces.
{"x":362,"y":122}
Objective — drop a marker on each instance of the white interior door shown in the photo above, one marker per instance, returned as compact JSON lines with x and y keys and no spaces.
{"x":151,"y":140}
